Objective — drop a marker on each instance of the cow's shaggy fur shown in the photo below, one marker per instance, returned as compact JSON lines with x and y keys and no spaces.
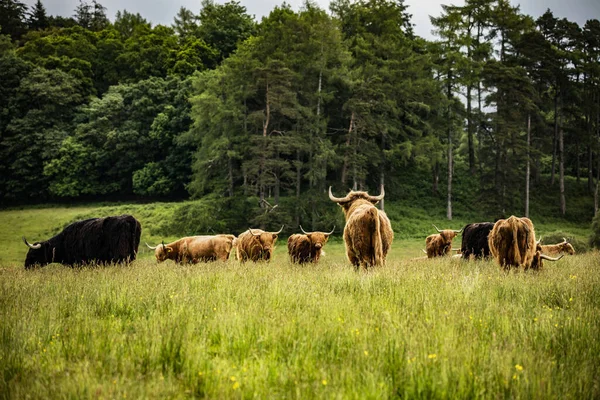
{"x":95,"y":240}
{"x":475,"y":240}
{"x":305,"y":248}
{"x":439,"y":244}
{"x":255,"y":245}
{"x":368,"y":233}
{"x":194,"y":249}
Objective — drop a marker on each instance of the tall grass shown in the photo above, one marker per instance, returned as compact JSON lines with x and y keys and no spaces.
{"x":415,"y":328}
{"x":442,"y":329}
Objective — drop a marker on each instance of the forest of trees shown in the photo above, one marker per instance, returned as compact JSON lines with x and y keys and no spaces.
{"x":218,"y":104}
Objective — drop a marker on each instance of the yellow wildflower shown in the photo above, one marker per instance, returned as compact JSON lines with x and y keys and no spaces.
{"x":236,"y":386}
{"x":519,"y":367}
{"x":432,"y":356}
{"x":324,"y":382}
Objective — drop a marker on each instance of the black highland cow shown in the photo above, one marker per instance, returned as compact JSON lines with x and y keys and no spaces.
{"x":94,"y":240}
{"x":475,"y":240}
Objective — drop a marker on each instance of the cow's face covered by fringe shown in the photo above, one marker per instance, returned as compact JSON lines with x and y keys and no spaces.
{"x":256,"y":245}
{"x":307,"y":247}
{"x":440,"y":244}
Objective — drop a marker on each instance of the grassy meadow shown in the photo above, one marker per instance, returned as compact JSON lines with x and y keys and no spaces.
{"x":413,"y":329}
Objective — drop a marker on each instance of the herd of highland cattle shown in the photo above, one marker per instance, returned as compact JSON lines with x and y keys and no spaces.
{"x":367,"y":235}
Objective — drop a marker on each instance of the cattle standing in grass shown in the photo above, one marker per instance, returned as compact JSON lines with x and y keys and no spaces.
{"x":440,"y":244}
{"x":512,"y":243}
{"x":95,"y":240}
{"x":556,"y":249}
{"x":475,"y":240}
{"x":307,"y":247}
{"x":194,"y":249}
{"x":368,"y":233}
{"x":256,"y":245}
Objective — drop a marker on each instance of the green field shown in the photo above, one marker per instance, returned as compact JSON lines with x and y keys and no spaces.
{"x":413,"y":329}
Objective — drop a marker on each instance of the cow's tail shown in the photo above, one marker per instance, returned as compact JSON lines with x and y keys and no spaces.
{"x":515,"y":240}
{"x":376,"y":257}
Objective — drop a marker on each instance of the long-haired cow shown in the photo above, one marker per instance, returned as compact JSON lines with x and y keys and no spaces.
{"x":475,"y":240}
{"x":256,"y":245}
{"x":307,"y":247}
{"x":95,"y":240}
{"x":194,"y":249}
{"x":440,"y":244}
{"x":368,"y":233}
{"x":556,"y":249}
{"x":512,"y":244}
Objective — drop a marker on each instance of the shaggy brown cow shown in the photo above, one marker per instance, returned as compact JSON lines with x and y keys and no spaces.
{"x":556,"y":249}
{"x":308,"y":247}
{"x":368,"y":233}
{"x":512,"y":243}
{"x":256,"y":245}
{"x":194,"y":249}
{"x":440,"y":244}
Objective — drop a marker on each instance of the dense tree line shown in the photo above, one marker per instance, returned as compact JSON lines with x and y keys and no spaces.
{"x":218,"y":104}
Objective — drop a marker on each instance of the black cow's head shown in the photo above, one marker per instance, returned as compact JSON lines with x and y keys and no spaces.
{"x":39,"y":254}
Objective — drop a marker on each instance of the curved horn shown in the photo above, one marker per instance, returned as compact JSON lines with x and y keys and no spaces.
{"x":565,"y":240}
{"x":303,"y":231}
{"x":163,"y":245}
{"x":336,"y":199}
{"x":252,"y":233}
{"x":150,"y":247}
{"x":327,"y":234}
{"x":32,"y":246}
{"x":278,"y":232}
{"x":539,"y":241}
{"x":378,"y":198}
{"x":423,"y":251}
{"x":545,"y":257}
{"x":459,"y":231}
{"x":438,"y":229}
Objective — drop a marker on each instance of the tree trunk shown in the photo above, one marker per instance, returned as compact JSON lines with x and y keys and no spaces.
{"x":590,"y":163}
{"x":555,"y":139}
{"x":436,"y":178}
{"x":561,"y":166}
{"x":470,"y":131}
{"x":298,"y":179}
{"x":449,"y":206}
{"x":528,"y":168}
{"x":230,"y":175}
{"x":261,"y":176}
{"x":578,"y":164}
{"x":346,"y":155}
{"x":381,"y":185}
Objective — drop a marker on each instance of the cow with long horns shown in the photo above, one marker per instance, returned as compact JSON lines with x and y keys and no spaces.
{"x":475,"y":240}
{"x":256,"y":245}
{"x":95,"y":240}
{"x":368,"y":233}
{"x":194,"y":249}
{"x":512,"y":244}
{"x":440,"y":244}
{"x":307,"y":247}
{"x":559,"y":248}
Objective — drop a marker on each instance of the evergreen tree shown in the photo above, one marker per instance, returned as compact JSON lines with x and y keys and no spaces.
{"x":37,"y":17}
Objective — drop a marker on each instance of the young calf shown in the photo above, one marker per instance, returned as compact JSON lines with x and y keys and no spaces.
{"x":307,"y":247}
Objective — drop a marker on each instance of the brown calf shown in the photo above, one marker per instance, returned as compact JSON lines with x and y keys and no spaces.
{"x":308,"y":247}
{"x":440,"y":244}
{"x":368,"y":233}
{"x":194,"y":249}
{"x":256,"y":245}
